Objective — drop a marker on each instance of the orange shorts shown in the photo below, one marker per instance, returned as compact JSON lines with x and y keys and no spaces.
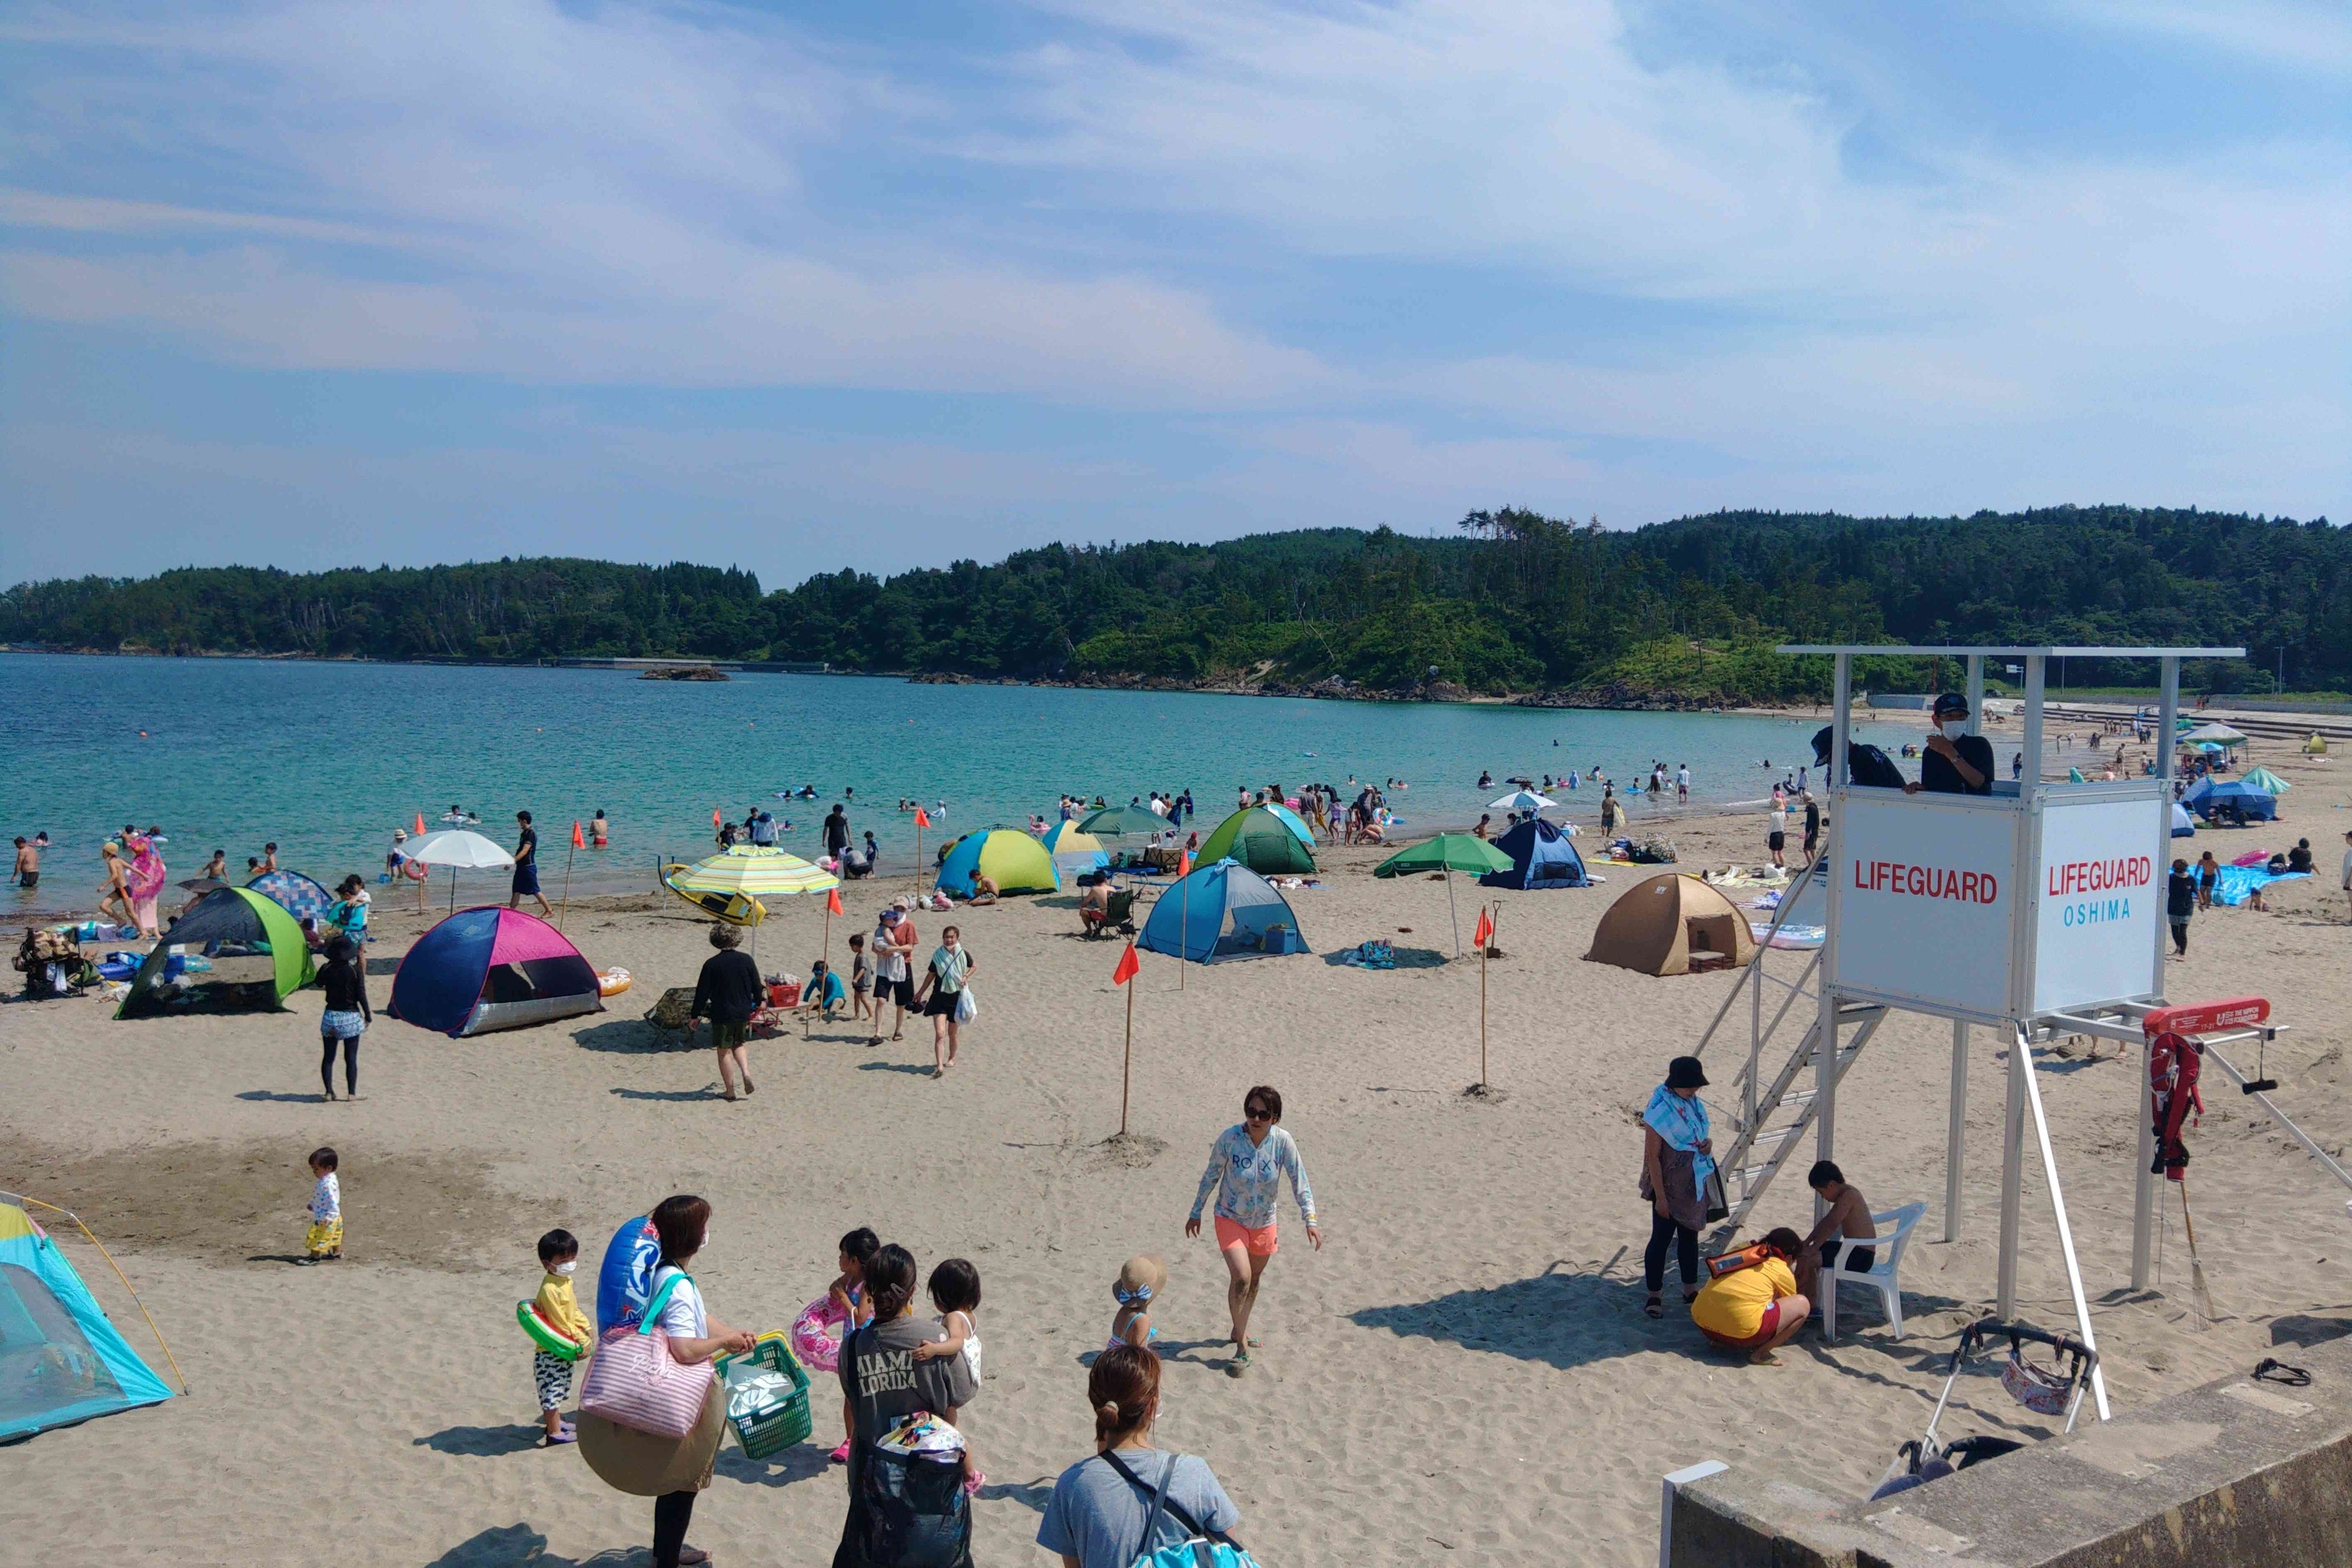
{"x":1260,"y":1242}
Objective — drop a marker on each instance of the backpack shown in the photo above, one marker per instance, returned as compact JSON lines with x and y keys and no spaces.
{"x":1202,"y":1550}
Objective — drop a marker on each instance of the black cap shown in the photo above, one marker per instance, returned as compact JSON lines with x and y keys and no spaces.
{"x":1683,"y":1072}
{"x":1821,"y":740}
{"x":1951,"y":702}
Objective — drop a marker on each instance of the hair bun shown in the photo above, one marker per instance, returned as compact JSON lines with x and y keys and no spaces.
{"x":1108,"y":1412}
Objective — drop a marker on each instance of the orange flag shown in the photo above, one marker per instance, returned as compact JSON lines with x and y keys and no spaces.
{"x":420,"y":825}
{"x":714,"y":817}
{"x":578,"y":842}
{"x":833,"y":902}
{"x":922,"y":817}
{"x":1184,"y":864}
{"x":1485,"y":932}
{"x":1129,"y":966}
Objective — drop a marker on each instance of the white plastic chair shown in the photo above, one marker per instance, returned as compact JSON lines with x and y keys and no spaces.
{"x":1895,"y":1228}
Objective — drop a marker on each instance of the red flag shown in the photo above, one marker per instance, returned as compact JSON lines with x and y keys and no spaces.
{"x":420,"y":825}
{"x":577,"y":841}
{"x":1129,"y":965}
{"x":922,"y":817}
{"x":1485,"y":932}
{"x":832,"y":900}
{"x":714,"y":817}
{"x":1185,"y":865}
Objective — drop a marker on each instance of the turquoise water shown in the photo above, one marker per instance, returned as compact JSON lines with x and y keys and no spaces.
{"x":326,"y":759}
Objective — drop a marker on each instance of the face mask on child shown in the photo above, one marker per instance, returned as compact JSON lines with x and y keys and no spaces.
{"x":565,"y":1268}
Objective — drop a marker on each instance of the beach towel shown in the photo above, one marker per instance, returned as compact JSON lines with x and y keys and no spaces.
{"x":1683,"y":1124}
{"x":2238,"y":881}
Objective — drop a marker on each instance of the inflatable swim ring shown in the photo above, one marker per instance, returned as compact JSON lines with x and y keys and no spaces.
{"x":546,"y":1335}
{"x":612,"y":981}
{"x":813,"y":1340}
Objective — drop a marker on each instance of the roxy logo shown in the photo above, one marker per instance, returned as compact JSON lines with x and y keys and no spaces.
{"x":1925,"y":881}
{"x":2100,"y":876}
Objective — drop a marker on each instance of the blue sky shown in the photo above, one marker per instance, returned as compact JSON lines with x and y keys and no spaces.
{"x":796,"y":287}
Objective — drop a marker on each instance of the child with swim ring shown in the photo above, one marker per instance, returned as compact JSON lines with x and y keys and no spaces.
{"x":557,"y":1307}
{"x":844,"y":1303}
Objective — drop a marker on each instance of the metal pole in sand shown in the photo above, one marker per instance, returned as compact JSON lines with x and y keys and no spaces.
{"x":565,"y":908}
{"x":1184,"y":919}
{"x":1127,"y":1061}
{"x":1481,"y":1005}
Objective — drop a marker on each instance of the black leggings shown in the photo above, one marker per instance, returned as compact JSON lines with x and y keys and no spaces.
{"x":1664,"y":1232}
{"x":672,"y":1512}
{"x":2181,"y":936}
{"x":350,"y":1063}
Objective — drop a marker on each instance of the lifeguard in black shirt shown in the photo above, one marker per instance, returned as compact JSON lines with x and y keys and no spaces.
{"x":1955,"y":762}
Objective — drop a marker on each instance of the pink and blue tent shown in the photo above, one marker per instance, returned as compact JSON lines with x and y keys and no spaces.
{"x":485,"y":969}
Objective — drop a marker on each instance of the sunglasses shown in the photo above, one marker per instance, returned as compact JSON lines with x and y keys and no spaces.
{"x":1257,"y":1113}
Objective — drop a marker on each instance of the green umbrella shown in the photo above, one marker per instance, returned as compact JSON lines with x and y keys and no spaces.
{"x":1120,"y":820}
{"x":1447,"y":852}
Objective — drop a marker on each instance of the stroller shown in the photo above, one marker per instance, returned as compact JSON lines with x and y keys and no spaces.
{"x":2053,"y":1389}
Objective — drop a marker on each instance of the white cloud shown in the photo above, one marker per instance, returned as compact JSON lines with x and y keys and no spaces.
{"x":2284,"y":34}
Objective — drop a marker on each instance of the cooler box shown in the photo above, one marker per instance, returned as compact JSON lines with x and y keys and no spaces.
{"x":1283,"y":939}
{"x":784,"y":996}
{"x":767,"y":1396}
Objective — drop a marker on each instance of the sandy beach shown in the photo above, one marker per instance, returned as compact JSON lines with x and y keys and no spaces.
{"x":1463,"y":1374}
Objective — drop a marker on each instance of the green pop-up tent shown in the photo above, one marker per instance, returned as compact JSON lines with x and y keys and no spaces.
{"x":1260,"y":841}
{"x":246,"y":941}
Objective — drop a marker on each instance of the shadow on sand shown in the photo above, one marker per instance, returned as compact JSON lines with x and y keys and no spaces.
{"x":481,"y":1442}
{"x":520,"y":1544}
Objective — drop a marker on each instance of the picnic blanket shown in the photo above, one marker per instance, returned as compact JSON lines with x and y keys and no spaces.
{"x":2237,"y":881}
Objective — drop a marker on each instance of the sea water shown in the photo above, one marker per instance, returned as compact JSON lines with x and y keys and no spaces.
{"x":326,"y":759}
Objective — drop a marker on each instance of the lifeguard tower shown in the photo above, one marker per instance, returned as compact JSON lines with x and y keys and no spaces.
{"x":2036,"y":910}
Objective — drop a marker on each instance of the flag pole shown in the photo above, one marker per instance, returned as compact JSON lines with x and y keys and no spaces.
{"x":1482,"y":1012}
{"x":1451,"y":915}
{"x":566,"y":906}
{"x":1127,"y":1062}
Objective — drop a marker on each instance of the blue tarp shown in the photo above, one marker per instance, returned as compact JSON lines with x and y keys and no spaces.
{"x":1192,"y":916}
{"x":2237,"y":881}
{"x":61,"y":1359}
{"x":1542,"y":856}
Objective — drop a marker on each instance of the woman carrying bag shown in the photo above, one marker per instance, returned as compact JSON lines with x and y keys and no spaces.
{"x":652,"y":1410}
{"x":946,"y":983}
{"x":1129,"y":1503}
{"x":904,"y":1511}
{"x":1679,"y":1178}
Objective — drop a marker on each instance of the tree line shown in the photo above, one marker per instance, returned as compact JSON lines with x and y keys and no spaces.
{"x":1507,"y":602}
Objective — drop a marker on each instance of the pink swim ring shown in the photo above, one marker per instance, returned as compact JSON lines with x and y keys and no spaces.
{"x":815,"y":1337}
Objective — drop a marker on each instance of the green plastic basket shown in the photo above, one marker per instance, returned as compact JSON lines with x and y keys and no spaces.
{"x":787,"y":1421}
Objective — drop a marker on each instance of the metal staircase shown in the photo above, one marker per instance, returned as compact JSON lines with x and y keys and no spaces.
{"x":1772,"y":1117}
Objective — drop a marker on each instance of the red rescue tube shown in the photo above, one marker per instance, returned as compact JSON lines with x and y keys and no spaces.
{"x":2207,"y":1017}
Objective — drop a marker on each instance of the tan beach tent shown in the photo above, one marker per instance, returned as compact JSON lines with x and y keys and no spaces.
{"x":2317,"y":746}
{"x":1656,"y":925}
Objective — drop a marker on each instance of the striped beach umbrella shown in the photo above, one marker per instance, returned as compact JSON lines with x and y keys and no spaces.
{"x":754,"y":870}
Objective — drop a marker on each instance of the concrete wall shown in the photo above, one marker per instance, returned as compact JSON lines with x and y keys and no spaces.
{"x":2237,"y":1474}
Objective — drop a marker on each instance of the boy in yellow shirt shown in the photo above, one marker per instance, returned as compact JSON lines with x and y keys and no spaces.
{"x":1755,"y":1308}
{"x":558,"y":1254}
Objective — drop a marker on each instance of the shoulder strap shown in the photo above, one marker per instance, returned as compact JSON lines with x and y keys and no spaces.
{"x":660,"y":1299}
{"x":1161,"y":1500}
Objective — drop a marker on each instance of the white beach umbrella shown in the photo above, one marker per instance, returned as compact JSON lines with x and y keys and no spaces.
{"x":454,"y":847}
{"x":1522,"y":800}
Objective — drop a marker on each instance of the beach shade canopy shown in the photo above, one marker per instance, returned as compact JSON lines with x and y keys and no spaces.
{"x":2317,"y":746}
{"x":256,"y":952}
{"x":1656,"y":926}
{"x":1218,"y":911}
{"x":1262,"y":841}
{"x":2183,"y":825}
{"x":456,"y":846}
{"x":485,"y":969}
{"x":1124,"y":822}
{"x":1075,"y":849}
{"x":1525,"y":800}
{"x":60,"y":1359}
{"x":2221,"y":734}
{"x":2262,"y":778}
{"x":1292,"y":821}
{"x":1007,"y":856}
{"x":753,"y":871}
{"x":2210,"y":798}
{"x":1447,"y":852}
{"x":296,"y":894}
{"x":1541,"y":855}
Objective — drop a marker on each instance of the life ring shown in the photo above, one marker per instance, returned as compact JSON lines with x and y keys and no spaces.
{"x":812,"y":1341}
{"x":414,"y":870}
{"x":546,"y":1335}
{"x":612,"y":981}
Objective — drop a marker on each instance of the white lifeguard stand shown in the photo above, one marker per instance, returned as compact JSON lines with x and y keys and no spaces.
{"x":2037,"y":909}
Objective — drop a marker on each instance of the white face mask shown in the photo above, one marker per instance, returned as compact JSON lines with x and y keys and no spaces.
{"x":565,"y":1268}
{"x":1953,"y":728}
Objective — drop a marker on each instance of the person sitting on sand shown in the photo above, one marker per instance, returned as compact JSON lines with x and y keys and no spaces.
{"x":1756,"y":1309}
{"x":1846,"y":1221}
{"x":1140,"y":1280}
{"x":823,"y":996}
{"x":984,"y":889}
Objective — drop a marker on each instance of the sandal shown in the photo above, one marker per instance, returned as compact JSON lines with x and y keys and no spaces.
{"x":748,"y":1089}
{"x":1653,"y":1306}
{"x":1238,"y":1366}
{"x":694,"y":1554}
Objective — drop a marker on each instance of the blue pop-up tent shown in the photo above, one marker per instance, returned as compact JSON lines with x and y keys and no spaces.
{"x":1542,"y":856}
{"x":60,"y":1359}
{"x":1221,"y":910}
{"x":2211,"y":798}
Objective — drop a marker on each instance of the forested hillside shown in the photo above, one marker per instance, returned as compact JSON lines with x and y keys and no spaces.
{"x":1508,"y":602}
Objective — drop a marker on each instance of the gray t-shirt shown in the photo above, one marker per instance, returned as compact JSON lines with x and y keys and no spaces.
{"x":1097,"y":1516}
{"x":881,"y":1380}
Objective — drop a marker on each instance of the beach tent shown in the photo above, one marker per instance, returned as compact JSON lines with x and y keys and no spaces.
{"x":1262,"y":841}
{"x":2262,"y":778}
{"x":1658,"y":924}
{"x":60,"y":1359}
{"x":1124,"y":822}
{"x":1007,"y":856}
{"x":2212,"y":797}
{"x":2221,"y":734}
{"x":1221,"y":910}
{"x":1075,"y":851}
{"x":1292,"y":821}
{"x":488,"y":968}
{"x":2183,"y":825}
{"x":2317,"y":746}
{"x":254,"y":950}
{"x":295,"y":893}
{"x":1541,"y":857}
